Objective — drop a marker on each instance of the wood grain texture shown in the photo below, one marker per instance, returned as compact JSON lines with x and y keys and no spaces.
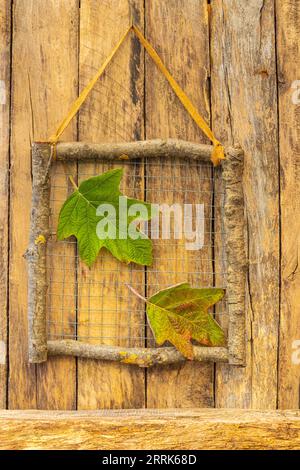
{"x":43,"y":81}
{"x":244,"y":111}
{"x":150,"y":429}
{"x":112,"y":113}
{"x":5,"y":55}
{"x":56,"y":379}
{"x":22,"y":377}
{"x":184,"y":51}
{"x":288,"y":59}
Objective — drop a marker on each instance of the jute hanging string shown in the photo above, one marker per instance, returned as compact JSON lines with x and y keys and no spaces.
{"x":218,"y":150}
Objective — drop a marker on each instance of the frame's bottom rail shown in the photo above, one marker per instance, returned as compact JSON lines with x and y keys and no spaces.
{"x":143,"y":357}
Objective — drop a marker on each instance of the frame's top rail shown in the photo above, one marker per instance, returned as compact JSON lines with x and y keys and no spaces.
{"x":129,"y":150}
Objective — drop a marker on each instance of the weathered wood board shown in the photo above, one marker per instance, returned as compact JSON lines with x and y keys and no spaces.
{"x":151,"y":429}
{"x":113,"y":112}
{"x":54,"y":371}
{"x":191,"y":384}
{"x":244,"y":111}
{"x":5,"y":70}
{"x":288,"y":60}
{"x":43,"y":81}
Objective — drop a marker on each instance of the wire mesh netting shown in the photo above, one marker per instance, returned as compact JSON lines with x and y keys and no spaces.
{"x":95,"y":305}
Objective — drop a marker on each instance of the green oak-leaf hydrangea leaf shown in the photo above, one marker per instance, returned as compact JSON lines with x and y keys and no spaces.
{"x":78,"y":217}
{"x":179,"y":315}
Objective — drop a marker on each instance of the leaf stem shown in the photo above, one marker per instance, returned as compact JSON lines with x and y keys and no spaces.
{"x":73,"y":183}
{"x":136,"y":293}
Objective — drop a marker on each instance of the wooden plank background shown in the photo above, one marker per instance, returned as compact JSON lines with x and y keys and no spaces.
{"x":239,"y":62}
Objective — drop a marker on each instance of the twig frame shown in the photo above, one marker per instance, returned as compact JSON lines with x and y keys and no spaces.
{"x":232,"y":170}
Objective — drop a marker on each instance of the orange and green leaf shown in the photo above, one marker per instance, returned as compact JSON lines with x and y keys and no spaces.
{"x":180,"y":314}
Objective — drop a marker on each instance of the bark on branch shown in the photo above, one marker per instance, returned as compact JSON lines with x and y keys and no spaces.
{"x":130,"y":150}
{"x":143,"y":357}
{"x":36,"y":253}
{"x":235,"y":251}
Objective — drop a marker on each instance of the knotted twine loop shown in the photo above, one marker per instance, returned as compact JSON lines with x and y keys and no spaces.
{"x":218,"y":153}
{"x":218,"y":150}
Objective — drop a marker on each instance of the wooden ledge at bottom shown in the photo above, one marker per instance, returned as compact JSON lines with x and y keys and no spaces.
{"x":150,"y":429}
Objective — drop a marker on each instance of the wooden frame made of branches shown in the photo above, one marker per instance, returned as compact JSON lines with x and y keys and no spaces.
{"x":232,"y":170}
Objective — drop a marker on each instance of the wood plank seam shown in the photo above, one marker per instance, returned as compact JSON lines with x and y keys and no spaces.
{"x":5,"y":134}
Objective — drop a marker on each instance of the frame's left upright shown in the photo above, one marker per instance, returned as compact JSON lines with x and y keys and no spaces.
{"x":36,"y":252}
